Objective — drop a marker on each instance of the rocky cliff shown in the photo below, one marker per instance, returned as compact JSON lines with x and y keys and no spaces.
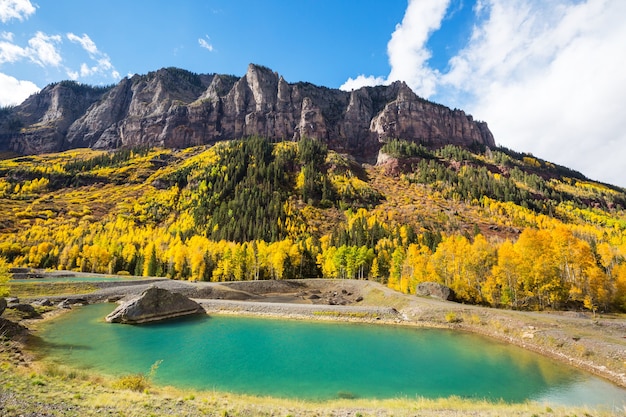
{"x":175,"y":108}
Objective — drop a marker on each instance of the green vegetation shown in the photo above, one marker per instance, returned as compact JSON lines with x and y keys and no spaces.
{"x":4,"y":277}
{"x":137,"y":382}
{"x":403,"y":149}
{"x":498,"y":227}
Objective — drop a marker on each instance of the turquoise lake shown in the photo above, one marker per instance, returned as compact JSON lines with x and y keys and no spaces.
{"x":318,"y":360}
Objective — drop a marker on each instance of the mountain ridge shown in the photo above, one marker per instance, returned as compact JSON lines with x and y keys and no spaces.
{"x":175,"y":108}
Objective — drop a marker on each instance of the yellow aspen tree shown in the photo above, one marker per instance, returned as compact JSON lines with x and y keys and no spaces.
{"x":503,"y":284}
{"x":395,"y":271}
{"x":479,"y":261}
{"x":538,"y":268}
{"x":374,"y":271}
{"x":325,"y":260}
{"x":417,"y":266}
{"x":449,"y":263}
{"x":619,"y":296}
{"x":4,"y":277}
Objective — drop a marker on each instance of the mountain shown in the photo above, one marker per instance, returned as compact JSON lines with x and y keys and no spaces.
{"x":174,"y":108}
{"x":297,"y":194}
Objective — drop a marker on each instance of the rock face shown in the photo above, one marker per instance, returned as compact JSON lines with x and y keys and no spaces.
{"x":175,"y":108}
{"x":434,"y":289}
{"x":152,"y":305}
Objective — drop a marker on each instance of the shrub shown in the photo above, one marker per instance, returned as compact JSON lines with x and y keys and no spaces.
{"x":137,"y":382}
{"x":451,"y":317}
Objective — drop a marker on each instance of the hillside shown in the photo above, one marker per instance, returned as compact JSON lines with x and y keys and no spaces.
{"x":498,"y":227}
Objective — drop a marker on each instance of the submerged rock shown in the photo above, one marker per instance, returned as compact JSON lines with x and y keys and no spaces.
{"x":152,"y":305}
{"x":434,"y":289}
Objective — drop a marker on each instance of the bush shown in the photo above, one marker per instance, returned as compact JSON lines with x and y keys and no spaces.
{"x":137,"y":382}
{"x":451,"y":317}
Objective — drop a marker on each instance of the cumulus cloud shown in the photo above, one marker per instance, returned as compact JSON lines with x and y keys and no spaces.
{"x":408,"y":54}
{"x":9,"y":52}
{"x":15,"y":9}
{"x":204,"y":43}
{"x":15,"y":91}
{"x":547,"y":76}
{"x":362,"y":81}
{"x":549,"y":79}
{"x":42,"y":50}
{"x":407,"y":51}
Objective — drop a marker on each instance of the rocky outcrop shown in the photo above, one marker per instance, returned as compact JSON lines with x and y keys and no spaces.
{"x":175,"y":108}
{"x":434,"y":289}
{"x":154,"y":304}
{"x":40,"y":124}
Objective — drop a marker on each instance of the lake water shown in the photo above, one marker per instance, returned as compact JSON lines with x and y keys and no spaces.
{"x":319,"y":360}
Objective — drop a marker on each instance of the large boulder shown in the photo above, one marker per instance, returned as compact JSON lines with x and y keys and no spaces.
{"x":152,"y":305}
{"x":434,"y":289}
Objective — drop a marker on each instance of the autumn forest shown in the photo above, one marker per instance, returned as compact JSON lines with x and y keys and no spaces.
{"x":498,"y":227}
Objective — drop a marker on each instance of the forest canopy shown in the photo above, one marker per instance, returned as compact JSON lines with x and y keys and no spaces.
{"x":499,"y":228}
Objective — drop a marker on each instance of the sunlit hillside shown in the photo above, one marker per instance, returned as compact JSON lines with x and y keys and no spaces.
{"x":498,"y":227}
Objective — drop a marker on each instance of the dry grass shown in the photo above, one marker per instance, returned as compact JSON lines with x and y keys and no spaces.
{"x":42,"y":289}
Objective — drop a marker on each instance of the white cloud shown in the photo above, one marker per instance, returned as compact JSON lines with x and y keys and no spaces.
{"x":548,"y":77}
{"x":549,"y":80}
{"x":84,"y":41}
{"x":15,"y":9}
{"x":408,"y":55}
{"x":73,"y":75}
{"x":10,"y":52}
{"x":42,"y":49}
{"x":102,"y":63}
{"x":7,"y":36}
{"x":362,"y":81}
{"x":204,"y":43}
{"x":15,"y":91}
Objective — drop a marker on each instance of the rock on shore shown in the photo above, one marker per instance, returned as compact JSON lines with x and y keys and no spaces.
{"x":154,"y":304}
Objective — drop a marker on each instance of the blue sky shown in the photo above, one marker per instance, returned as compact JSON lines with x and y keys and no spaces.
{"x":547,"y":76}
